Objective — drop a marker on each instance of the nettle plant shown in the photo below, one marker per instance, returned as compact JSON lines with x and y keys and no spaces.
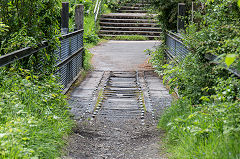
{"x":216,"y":31}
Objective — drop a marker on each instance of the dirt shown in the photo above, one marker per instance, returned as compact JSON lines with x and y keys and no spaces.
{"x":104,"y":139}
{"x":120,"y":123}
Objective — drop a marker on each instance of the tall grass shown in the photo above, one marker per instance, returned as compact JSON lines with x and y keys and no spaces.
{"x":34,"y":115}
{"x":205,"y":131}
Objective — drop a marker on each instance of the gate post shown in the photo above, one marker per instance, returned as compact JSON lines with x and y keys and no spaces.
{"x":79,"y":21}
{"x":65,"y":18}
{"x":79,"y":17}
{"x":181,"y":16}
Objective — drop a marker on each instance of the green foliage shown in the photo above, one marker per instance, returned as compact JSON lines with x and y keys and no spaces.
{"x":29,"y":22}
{"x":34,"y":115}
{"x":87,"y":60}
{"x":157,"y":57}
{"x":90,"y":35}
{"x":203,"y":131}
{"x":218,"y":31}
{"x":3,"y":28}
{"x":189,"y":77}
{"x":226,"y":90}
{"x":204,"y":121}
{"x":168,"y":11}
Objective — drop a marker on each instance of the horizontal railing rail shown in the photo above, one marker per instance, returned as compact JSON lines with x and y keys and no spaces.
{"x":69,"y":57}
{"x":177,"y":51}
{"x":20,"y":54}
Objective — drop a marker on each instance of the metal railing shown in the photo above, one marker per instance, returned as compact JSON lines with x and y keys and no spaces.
{"x":69,"y":57}
{"x":97,"y":9}
{"x":178,"y":51}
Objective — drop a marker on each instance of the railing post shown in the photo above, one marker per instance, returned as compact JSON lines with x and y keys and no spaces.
{"x":79,"y":17}
{"x":65,"y":18}
{"x":181,"y":16}
{"x":79,"y":21}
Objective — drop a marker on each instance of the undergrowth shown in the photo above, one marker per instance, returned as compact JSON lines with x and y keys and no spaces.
{"x":204,"y":123}
{"x":210,"y":130}
{"x":34,"y":115}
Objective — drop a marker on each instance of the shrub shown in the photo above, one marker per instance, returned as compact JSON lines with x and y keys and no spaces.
{"x":204,"y":122}
{"x":34,"y":115}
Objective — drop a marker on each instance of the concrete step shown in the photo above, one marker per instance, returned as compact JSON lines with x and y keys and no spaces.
{"x":137,"y":4}
{"x":127,"y":20}
{"x":131,"y":8}
{"x":129,"y":16}
{"x":128,"y":24}
{"x":132,"y":28}
{"x":115,"y":32}
{"x":132,"y":11}
{"x":108,"y":35}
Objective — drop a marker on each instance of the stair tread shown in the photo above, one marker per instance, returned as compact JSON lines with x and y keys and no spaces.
{"x":113,"y":19}
{"x":131,"y":7}
{"x":132,"y":11}
{"x":127,"y":23}
{"x":129,"y":31}
{"x":130,"y":15}
{"x":127,"y":35}
{"x":106,"y":27}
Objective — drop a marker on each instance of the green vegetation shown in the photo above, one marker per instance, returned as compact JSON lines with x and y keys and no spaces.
{"x":167,"y":12}
{"x":29,"y":23}
{"x":99,"y":99}
{"x":34,"y":115}
{"x":127,"y":37}
{"x":204,"y":121}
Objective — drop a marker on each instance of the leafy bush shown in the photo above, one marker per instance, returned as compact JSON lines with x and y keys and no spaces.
{"x":218,"y":32}
{"x":29,"y":22}
{"x":168,"y":11}
{"x":157,"y":57}
{"x":204,"y":122}
{"x":34,"y":115}
{"x":189,"y":77}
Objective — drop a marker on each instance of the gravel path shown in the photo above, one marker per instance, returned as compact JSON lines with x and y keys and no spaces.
{"x":116,"y":107}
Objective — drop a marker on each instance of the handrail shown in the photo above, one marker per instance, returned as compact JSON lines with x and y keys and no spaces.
{"x":27,"y":51}
{"x":209,"y":57}
{"x":96,"y":10}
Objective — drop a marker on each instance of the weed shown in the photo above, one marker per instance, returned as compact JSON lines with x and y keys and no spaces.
{"x":34,"y":115}
{"x":99,"y":99}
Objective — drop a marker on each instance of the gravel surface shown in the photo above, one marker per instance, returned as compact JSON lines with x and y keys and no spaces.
{"x":117,"y":105}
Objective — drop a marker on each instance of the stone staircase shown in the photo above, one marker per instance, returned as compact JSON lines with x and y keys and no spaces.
{"x":131,"y":19}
